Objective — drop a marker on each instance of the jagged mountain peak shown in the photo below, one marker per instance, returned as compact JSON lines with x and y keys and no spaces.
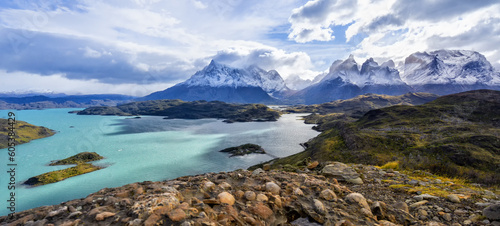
{"x":460,"y":67}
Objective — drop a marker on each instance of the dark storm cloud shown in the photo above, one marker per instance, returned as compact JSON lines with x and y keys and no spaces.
{"x":77,"y":58}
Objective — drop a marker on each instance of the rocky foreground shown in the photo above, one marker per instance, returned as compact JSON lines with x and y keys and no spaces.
{"x":335,"y":194}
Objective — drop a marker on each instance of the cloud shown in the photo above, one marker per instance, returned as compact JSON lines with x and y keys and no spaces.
{"x":393,"y":29}
{"x":59,"y":83}
{"x":269,"y":58}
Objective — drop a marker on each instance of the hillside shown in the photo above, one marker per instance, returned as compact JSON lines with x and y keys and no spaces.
{"x":363,"y":103}
{"x":25,"y":132}
{"x":456,"y":135}
{"x":190,"y":110}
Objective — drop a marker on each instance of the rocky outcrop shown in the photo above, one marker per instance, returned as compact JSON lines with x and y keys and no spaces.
{"x":265,"y":198}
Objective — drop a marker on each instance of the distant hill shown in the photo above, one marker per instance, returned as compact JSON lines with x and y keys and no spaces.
{"x":456,"y":135}
{"x":70,"y":101}
{"x":190,"y":110}
{"x":25,"y":132}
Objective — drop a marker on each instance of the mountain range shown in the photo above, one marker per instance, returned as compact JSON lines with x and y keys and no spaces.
{"x":439,"y":72}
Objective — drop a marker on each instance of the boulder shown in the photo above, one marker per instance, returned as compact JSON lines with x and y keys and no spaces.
{"x":492,"y":212}
{"x":340,"y":171}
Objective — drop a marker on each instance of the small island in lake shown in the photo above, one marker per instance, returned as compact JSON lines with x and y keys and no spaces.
{"x":82,"y":166}
{"x":244,"y":149}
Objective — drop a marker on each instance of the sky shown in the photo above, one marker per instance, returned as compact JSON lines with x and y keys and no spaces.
{"x":136,"y":47}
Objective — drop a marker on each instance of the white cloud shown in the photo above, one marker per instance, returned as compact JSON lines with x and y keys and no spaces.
{"x":59,"y":83}
{"x":396,"y":28}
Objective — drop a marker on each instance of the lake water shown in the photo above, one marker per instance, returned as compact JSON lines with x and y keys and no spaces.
{"x":150,"y":148}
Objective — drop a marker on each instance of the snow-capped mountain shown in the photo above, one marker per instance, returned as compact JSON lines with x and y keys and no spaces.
{"x":449,"y":71}
{"x":347,"y":79}
{"x":440,"y":72}
{"x":221,"y":82}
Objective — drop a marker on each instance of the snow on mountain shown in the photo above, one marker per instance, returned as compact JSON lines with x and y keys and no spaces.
{"x":297,"y":83}
{"x":370,"y":73}
{"x":219,"y":75}
{"x":459,"y":67}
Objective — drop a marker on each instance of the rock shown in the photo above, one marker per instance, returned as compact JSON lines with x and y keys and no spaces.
{"x":313,"y":165}
{"x":356,"y":180}
{"x":417,"y":204}
{"x":257,"y":172}
{"x":266,"y":167}
{"x":177,"y":215}
{"x":226,"y":197}
{"x":225,"y":186}
{"x":102,"y":216}
{"x":152,"y":219}
{"x":447,"y":217}
{"x":340,"y":171}
{"x":492,"y":212}
{"x":261,"y":210}
{"x":318,"y":206}
{"x":401,"y":206}
{"x":425,"y":197}
{"x":357,"y":198}
{"x":298,"y":192}
{"x":58,"y":211}
{"x":250,"y":195}
{"x":453,"y":198}
{"x":262,"y":198}
{"x":378,"y":209}
{"x":273,"y":188}
{"x":328,"y":195}
{"x":208,"y":186}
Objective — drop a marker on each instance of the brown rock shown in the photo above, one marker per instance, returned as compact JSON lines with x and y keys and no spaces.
{"x":177,"y":215}
{"x":139,"y":191}
{"x":239,"y":194}
{"x":318,"y":206}
{"x":313,"y":165}
{"x":357,"y":198}
{"x":298,"y":192}
{"x":225,"y":186}
{"x":226,"y":197}
{"x":400,"y":206}
{"x":266,"y":167}
{"x":417,"y":204}
{"x":123,"y":194}
{"x":273,"y":188}
{"x":250,"y":195}
{"x":328,"y":195}
{"x":102,"y":216}
{"x":152,"y":219}
{"x":453,"y":198}
{"x":261,"y":210}
{"x":262,"y":198}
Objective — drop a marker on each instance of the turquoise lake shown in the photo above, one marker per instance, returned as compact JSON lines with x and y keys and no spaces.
{"x":147,"y":149}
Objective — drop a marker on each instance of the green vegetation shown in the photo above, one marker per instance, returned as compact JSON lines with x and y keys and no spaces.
{"x":456,"y":135}
{"x":356,"y":107}
{"x":81,"y":167}
{"x":59,"y":175}
{"x":244,"y":149}
{"x":25,"y":132}
{"x":190,"y":110}
{"x":78,"y":158}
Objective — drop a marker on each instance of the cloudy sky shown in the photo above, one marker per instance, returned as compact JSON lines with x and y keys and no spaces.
{"x":136,"y":47}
